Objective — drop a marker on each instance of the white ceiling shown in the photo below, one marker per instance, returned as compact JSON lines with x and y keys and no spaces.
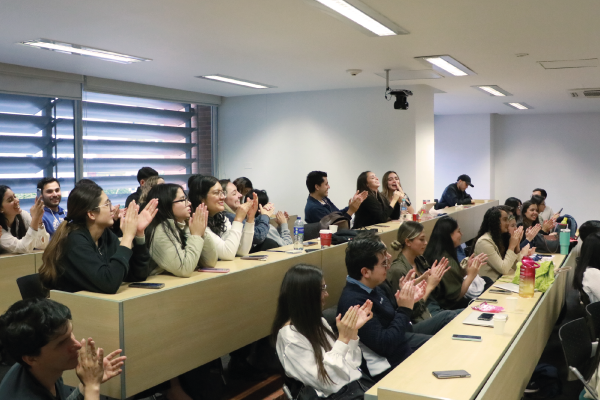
{"x":296,"y":47}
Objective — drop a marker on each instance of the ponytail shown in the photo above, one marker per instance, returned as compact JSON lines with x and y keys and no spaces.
{"x":51,"y":269}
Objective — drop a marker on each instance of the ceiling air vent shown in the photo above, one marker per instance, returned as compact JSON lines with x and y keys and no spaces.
{"x":585,"y":93}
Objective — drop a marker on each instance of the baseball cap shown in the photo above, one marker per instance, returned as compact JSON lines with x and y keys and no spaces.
{"x":465,"y":178}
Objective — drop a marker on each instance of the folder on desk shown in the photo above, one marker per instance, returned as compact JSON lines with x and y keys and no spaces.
{"x":472,"y":320}
{"x":511,"y":287}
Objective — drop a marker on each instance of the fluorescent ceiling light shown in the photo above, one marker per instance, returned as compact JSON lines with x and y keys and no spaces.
{"x":235,"y":81}
{"x":449,"y":65}
{"x":351,"y":9}
{"x":519,"y":106}
{"x":493,"y":90}
{"x":76,"y":49}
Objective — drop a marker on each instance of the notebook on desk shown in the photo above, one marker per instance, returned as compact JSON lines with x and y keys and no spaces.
{"x":512,"y":287}
{"x":472,"y":320}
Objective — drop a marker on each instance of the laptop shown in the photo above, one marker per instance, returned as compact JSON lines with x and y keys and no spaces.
{"x":472,"y":320}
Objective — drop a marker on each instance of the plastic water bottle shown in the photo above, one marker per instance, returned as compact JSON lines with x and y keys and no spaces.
{"x":299,"y":234}
{"x":403,"y":209}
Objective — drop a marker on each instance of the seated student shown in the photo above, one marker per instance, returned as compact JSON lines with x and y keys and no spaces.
{"x":261,"y":221}
{"x":455,"y":193}
{"x":146,"y":187}
{"x":143,"y":174}
{"x":585,"y":230}
{"x":306,"y":345}
{"x":516,"y":206}
{"x":230,"y":238}
{"x":375,"y":208}
{"x":545,"y":212}
{"x":176,"y":239}
{"x":532,"y":231}
{"x":411,"y":243}
{"x":38,"y":334}
{"x":86,"y":255}
{"x":384,"y":339}
{"x":318,"y":204}
{"x":501,"y":259}
{"x":587,"y":271}
{"x":22,"y":232}
{"x":54,"y":214}
{"x":280,"y":235}
{"x":445,"y":238}
{"x":391,"y":185}
{"x":243,"y":185}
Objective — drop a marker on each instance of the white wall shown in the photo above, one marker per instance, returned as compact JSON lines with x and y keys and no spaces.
{"x":275,"y":140}
{"x":462,"y":146}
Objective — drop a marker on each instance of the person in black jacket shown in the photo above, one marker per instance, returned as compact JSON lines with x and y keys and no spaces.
{"x":143,"y":174}
{"x":86,"y":255}
{"x":387,"y":339}
{"x":455,"y":193}
{"x":375,"y":209}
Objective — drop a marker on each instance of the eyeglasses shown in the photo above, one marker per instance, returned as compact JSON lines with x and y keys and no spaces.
{"x":220,"y":193}
{"x":182,"y":200}
{"x":324,"y":288}
{"x":107,"y":204}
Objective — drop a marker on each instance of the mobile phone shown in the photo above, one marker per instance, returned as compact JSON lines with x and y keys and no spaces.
{"x":488,"y":300}
{"x":310,"y":243}
{"x":500,"y":291}
{"x":147,"y":285}
{"x":559,"y":211}
{"x":255,"y":258}
{"x":217,"y":270}
{"x":486,"y":317}
{"x":467,"y":337}
{"x":459,"y":373}
{"x":39,"y":192}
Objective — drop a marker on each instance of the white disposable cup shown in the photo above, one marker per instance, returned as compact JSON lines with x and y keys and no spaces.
{"x":333,"y":228}
{"x":511,"y":304}
{"x":499,"y":323}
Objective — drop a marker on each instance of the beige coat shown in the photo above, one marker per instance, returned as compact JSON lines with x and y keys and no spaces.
{"x":496,"y":266}
{"x":167,"y":254}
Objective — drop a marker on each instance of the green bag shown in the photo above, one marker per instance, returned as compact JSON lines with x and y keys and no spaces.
{"x":544,"y":275}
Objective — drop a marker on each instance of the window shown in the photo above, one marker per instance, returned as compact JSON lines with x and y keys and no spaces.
{"x":36,"y":140}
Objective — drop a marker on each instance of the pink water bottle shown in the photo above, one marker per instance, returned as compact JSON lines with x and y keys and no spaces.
{"x":527,"y":277}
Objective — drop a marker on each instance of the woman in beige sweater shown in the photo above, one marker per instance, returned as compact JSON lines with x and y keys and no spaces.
{"x":501,"y":259}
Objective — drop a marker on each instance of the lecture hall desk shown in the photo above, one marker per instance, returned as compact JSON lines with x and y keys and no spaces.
{"x":195,"y":320}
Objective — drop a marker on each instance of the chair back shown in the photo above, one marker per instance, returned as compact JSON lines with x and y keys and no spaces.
{"x":577,"y":347}
{"x":31,"y":287}
{"x":593,"y":316}
{"x":329,"y":314}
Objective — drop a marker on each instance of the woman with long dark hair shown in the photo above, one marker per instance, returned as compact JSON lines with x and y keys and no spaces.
{"x":501,"y":258}
{"x":230,"y":238}
{"x":533,"y":231}
{"x":85,"y":254}
{"x":516,"y":206}
{"x":176,"y":239}
{"x":21,"y":231}
{"x":391,"y":185}
{"x":445,"y":238}
{"x":587,"y":271}
{"x":375,"y":209}
{"x":306,"y":345}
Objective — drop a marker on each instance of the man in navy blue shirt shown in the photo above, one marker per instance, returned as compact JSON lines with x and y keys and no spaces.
{"x":318,"y":204}
{"x":455,"y":193}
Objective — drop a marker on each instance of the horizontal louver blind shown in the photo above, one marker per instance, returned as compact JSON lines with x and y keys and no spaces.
{"x":31,"y":146}
{"x":122,"y":134}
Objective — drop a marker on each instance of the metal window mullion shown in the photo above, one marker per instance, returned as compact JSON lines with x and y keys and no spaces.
{"x":214,"y":139}
{"x":78,"y":139}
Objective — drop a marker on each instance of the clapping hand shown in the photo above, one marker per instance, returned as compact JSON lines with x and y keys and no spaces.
{"x":364,"y":314}
{"x":253,"y":208}
{"x":473,"y":266}
{"x":116,"y":212}
{"x":357,"y":200}
{"x":420,"y":290}
{"x":146,"y":216}
{"x":515,"y":238}
{"x":90,"y":369}
{"x":281,"y":217}
{"x":548,"y":225}
{"x":112,"y":365}
{"x":532,"y":232}
{"x":199,"y":220}
{"x":406,"y":296}
{"x":266,"y":211}
{"x":436,"y":272}
{"x":347,"y":325}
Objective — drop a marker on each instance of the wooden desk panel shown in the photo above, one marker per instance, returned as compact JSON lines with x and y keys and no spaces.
{"x":11,"y":268}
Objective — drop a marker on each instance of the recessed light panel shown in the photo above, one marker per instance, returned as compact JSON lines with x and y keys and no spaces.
{"x":493,"y":90}
{"x":448,"y":65}
{"x":75,"y":49}
{"x":519,"y":106}
{"x":235,"y":81}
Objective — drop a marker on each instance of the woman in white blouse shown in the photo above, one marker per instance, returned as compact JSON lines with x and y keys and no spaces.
{"x":230,"y":238}
{"x":587,"y":271}
{"x":306,"y":345}
{"x":21,"y":231}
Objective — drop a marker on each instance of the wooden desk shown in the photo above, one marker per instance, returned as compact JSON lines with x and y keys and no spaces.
{"x":500,"y":365}
{"x":13,"y":266}
{"x":198,"y":319}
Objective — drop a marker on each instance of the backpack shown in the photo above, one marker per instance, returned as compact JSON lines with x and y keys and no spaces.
{"x":334,"y":218}
{"x":343,"y":236}
{"x":544,"y":383}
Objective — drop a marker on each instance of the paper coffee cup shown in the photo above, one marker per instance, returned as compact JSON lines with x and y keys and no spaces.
{"x":333,"y":228}
{"x":499,"y":323}
{"x":325,"y":238}
{"x":511,"y":304}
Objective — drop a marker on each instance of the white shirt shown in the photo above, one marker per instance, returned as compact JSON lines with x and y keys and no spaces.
{"x":237,"y":239}
{"x":298,"y":359}
{"x":591,"y":284}
{"x":32,"y":239}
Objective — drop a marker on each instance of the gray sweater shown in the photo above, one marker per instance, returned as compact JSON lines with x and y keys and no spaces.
{"x":281,"y":236}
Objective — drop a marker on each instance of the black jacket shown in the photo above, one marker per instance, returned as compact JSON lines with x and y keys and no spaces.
{"x":19,"y":383}
{"x":134,"y":196}
{"x":452,"y":196}
{"x":374,"y":210}
{"x":100,"y":269}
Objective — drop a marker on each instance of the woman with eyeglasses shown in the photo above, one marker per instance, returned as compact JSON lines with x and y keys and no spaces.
{"x":85,"y":254}
{"x":307,"y":348}
{"x":21,"y":232}
{"x":176,"y":238}
{"x":230,"y":238}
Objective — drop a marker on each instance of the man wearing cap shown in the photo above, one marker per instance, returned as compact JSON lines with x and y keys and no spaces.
{"x":455,"y":193}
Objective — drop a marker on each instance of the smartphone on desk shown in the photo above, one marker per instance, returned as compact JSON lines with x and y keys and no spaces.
{"x":470,"y":338}
{"x":216,"y":270}
{"x":255,"y":258}
{"x":147,"y":285}
{"x":486,"y":317}
{"x":459,"y":373}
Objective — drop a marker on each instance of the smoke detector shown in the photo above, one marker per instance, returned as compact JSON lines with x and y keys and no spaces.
{"x":354,"y":72}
